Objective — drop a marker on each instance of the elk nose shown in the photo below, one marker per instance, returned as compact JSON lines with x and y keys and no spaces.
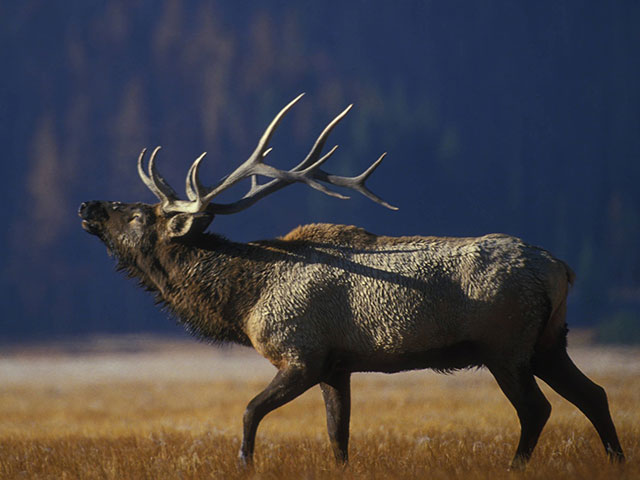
{"x":86,"y":209}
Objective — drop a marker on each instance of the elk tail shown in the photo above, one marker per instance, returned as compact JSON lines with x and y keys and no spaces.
{"x":571,"y":275}
{"x":554,"y":332}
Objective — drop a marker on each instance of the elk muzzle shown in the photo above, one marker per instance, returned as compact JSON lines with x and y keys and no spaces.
{"x":92,"y":214}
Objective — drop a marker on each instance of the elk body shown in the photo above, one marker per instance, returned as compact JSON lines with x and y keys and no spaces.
{"x":329,"y":300}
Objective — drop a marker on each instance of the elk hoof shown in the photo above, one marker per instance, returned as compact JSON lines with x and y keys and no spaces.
{"x":615,"y":456}
{"x":245,"y":461}
{"x":518,"y":464}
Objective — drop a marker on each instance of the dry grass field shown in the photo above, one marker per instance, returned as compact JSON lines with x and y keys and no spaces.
{"x":154,"y":409}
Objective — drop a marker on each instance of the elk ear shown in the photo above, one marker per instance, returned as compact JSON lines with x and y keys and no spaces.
{"x":184,"y":224}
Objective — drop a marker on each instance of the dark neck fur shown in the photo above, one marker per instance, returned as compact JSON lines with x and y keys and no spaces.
{"x":208,"y":282}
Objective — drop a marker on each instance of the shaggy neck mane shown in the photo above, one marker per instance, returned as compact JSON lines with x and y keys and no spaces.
{"x":209,"y":283}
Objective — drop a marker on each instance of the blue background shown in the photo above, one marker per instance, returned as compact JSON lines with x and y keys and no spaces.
{"x":500,"y":116}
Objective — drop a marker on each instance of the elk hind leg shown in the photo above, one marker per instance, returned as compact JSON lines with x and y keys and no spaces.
{"x":532,"y":407}
{"x":557,"y":369}
{"x":336,"y":391}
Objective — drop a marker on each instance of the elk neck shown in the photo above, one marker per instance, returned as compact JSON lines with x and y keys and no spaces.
{"x":210,"y":283}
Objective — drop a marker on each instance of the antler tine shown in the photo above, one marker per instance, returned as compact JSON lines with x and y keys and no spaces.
{"x":200,"y":189}
{"x":188,"y":188}
{"x":357,"y":183}
{"x":320,"y":141}
{"x":168,"y":193}
{"x":141,"y":173}
{"x":193,"y":186}
{"x":147,"y":179}
{"x":268,"y":133}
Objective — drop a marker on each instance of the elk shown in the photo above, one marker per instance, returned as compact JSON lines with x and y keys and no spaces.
{"x":327,"y":300}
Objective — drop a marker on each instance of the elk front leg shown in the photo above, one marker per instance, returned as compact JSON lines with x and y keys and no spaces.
{"x":336,"y":391}
{"x":285,"y":386}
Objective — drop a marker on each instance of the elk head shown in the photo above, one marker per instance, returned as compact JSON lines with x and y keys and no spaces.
{"x":123,"y":227}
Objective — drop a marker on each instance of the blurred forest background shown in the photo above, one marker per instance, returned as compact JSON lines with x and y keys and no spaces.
{"x":514,"y":117}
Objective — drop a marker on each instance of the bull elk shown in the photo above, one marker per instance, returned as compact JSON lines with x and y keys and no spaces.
{"x":327,"y":300}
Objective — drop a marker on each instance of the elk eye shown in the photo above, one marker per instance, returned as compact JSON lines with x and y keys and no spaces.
{"x":136,"y":217}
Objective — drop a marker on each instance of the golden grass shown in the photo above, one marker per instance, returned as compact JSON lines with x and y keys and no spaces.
{"x":185,"y":422}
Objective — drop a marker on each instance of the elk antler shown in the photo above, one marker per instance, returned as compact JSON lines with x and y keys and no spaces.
{"x":308,"y":171}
